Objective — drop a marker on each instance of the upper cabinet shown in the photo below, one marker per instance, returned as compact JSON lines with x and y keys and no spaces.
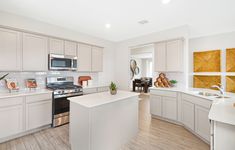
{"x":56,"y":46}
{"x":160,"y":56}
{"x":84,"y":57}
{"x":34,"y":52}
{"x":97,"y":59}
{"x":169,"y":56}
{"x":90,"y":59}
{"x":70,"y":48}
{"x":10,"y":44}
{"x":21,"y":51}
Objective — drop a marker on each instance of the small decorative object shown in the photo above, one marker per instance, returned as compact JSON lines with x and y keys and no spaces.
{"x":113,"y":88}
{"x":173,"y":82}
{"x":135,"y":70}
{"x":2,"y":77}
{"x":162,"y":81}
{"x":31,"y":83}
{"x":12,"y":85}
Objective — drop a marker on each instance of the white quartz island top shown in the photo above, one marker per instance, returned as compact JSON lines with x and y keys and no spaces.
{"x":221,"y":110}
{"x":97,"y":99}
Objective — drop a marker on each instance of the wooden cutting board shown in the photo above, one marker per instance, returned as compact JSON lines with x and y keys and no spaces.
{"x":83,"y":78}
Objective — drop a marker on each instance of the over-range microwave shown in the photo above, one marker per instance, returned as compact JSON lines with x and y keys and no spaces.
{"x":62,"y":62}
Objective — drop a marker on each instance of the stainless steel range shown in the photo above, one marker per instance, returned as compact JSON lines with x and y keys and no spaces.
{"x":63,"y":87}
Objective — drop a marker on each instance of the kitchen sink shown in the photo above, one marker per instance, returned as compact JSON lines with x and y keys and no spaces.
{"x":207,"y":94}
{"x":222,"y":97}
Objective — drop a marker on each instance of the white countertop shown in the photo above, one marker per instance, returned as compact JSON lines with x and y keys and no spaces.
{"x":95,"y":86}
{"x":222,"y":110}
{"x":24,"y":93}
{"x":97,"y":99}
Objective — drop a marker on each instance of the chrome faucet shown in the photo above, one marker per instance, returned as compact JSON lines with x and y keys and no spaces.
{"x":220,"y":88}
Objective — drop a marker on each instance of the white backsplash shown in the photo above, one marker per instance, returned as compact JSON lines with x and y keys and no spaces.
{"x":41,"y":77}
{"x":178,"y":76}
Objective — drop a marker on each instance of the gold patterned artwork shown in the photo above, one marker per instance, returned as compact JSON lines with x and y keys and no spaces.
{"x":207,"y":61}
{"x":230,"y":84}
{"x":230,"y":60}
{"x":205,"y":81}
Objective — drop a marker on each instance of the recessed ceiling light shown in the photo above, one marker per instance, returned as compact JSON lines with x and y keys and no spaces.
{"x":143,"y":21}
{"x":166,"y":1}
{"x":107,"y":25}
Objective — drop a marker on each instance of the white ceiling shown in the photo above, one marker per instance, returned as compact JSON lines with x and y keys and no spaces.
{"x":90,"y":16}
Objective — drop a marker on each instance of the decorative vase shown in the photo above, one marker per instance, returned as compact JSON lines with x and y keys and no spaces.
{"x":113,"y":92}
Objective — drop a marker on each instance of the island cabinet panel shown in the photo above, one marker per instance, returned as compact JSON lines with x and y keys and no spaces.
{"x":97,"y":59}
{"x":222,"y":136}
{"x":156,"y":105}
{"x":56,"y":46}
{"x":169,"y":108}
{"x":70,"y":48}
{"x":105,"y":122}
{"x":188,"y":114}
{"x":11,"y":116}
{"x":10,"y":44}
{"x":84,"y":57}
{"x":202,"y":124}
{"x":38,"y":111}
{"x":34,"y":52}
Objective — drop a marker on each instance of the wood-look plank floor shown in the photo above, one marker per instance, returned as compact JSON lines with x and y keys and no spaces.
{"x":153,"y":134}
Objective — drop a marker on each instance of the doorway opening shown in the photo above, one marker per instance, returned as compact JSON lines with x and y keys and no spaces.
{"x":141,"y":68}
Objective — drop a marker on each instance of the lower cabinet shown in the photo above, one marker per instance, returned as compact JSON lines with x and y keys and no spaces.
{"x":23,"y":113}
{"x":156,"y":105}
{"x":202,"y":124}
{"x":187,"y":114}
{"x":169,"y":108}
{"x":38,"y":114}
{"x":11,"y":120}
{"x":11,"y":116}
{"x":193,"y":112}
{"x":164,"y":104}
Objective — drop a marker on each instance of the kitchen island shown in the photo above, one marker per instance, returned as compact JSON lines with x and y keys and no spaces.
{"x":102,"y":121}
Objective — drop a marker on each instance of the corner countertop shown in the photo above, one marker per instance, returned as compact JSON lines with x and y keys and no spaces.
{"x":97,"y":99}
{"x":24,"y":93}
{"x":222,"y":110}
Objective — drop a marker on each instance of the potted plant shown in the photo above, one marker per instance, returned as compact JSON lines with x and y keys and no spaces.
{"x":173,"y":83}
{"x":113,"y":88}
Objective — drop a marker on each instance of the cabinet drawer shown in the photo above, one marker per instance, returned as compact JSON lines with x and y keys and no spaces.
{"x":11,"y":101}
{"x":39,"y":97}
{"x":103,"y":89}
{"x":197,"y":100}
{"x":89,"y":90}
{"x":164,"y":93}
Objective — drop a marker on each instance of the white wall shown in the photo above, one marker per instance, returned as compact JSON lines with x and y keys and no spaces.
{"x":122,"y":53}
{"x":18,"y":22}
{"x":213,"y":42}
